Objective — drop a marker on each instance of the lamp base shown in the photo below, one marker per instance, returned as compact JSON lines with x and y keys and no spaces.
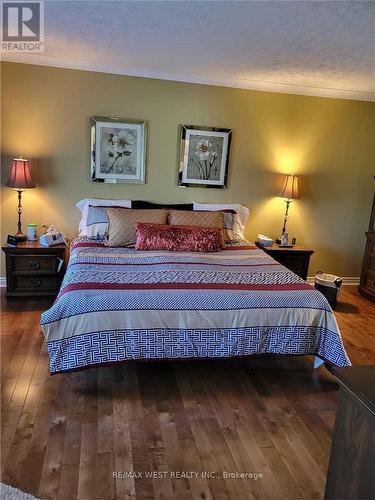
{"x":21,"y":237}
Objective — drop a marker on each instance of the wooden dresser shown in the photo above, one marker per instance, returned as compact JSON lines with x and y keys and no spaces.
{"x":351,"y":471}
{"x":367,"y":283}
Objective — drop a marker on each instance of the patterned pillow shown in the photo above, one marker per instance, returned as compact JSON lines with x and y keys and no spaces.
{"x":235,"y":218}
{"x":178,"y":238}
{"x":121,"y":227}
{"x":83,"y":206}
{"x":96,"y":222}
{"x":230,"y":222}
{"x":196,"y":219}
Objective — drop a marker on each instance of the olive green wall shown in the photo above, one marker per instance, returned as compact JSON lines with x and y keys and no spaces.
{"x":329,"y":142}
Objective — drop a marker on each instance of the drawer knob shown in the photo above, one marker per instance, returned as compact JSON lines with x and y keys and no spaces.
{"x":34,"y":264}
{"x":36,"y":282}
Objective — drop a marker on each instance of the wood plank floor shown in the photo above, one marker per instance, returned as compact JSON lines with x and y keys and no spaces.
{"x":64,"y":436}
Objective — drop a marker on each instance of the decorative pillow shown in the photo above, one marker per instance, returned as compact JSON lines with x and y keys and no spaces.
{"x":230,"y":227}
{"x":197,"y":219}
{"x":96,"y":222}
{"x":83,"y":206}
{"x":170,"y":206}
{"x":121,"y":226}
{"x":178,"y":238}
{"x":235,"y":218}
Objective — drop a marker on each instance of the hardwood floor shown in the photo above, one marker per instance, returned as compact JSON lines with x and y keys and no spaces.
{"x":64,"y":436}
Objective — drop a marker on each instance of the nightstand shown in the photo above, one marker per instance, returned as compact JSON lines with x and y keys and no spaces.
{"x":34,"y":270}
{"x":295,"y":258}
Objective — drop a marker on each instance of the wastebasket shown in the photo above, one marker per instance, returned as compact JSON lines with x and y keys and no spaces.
{"x":329,"y":285}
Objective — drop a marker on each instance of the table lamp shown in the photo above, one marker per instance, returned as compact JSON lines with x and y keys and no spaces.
{"x":20,"y":179}
{"x":289,"y":192}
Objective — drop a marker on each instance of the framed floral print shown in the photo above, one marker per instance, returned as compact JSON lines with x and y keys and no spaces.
{"x":118,"y":150}
{"x":204,"y":156}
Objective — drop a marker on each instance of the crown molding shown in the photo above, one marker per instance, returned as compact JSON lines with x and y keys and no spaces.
{"x":218,"y":81}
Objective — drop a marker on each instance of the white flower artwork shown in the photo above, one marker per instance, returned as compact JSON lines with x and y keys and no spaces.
{"x":118,"y":154}
{"x":204,"y":156}
{"x":118,"y":151}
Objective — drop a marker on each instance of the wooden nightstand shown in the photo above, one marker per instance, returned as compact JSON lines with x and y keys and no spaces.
{"x":33,"y":270}
{"x":295,"y":258}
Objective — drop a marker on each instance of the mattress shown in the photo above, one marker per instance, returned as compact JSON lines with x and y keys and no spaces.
{"x":118,"y":304}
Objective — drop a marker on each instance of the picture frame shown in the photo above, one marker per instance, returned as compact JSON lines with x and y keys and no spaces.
{"x":204,"y":156}
{"x":118,"y":150}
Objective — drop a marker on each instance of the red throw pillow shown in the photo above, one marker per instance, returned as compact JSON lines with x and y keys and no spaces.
{"x":178,"y":238}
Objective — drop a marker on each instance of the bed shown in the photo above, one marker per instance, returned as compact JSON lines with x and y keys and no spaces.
{"x":119,"y":304}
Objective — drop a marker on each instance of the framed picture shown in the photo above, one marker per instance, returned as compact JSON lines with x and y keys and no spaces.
{"x":204,"y":156}
{"x":118,"y":150}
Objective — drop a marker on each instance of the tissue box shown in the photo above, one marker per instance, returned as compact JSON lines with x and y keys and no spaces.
{"x":265,"y":240}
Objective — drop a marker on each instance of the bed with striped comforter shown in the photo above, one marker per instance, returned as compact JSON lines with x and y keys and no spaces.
{"x":118,"y":304}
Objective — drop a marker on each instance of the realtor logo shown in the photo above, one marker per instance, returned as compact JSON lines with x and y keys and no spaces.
{"x":22,"y":27}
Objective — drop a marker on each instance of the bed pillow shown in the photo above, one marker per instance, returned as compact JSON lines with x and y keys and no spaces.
{"x":178,"y":238}
{"x":121,"y":224}
{"x":197,"y":219}
{"x":83,"y":206}
{"x":97,"y":222}
{"x":235,"y":218}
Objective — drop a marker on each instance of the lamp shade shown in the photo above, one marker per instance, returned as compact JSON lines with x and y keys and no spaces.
{"x":19,"y":177}
{"x":290,"y":187}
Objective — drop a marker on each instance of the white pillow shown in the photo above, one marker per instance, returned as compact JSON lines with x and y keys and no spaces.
{"x":83,"y":206}
{"x":240,"y":219}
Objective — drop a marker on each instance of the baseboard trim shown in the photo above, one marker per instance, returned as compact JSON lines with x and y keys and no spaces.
{"x":346,"y":280}
{"x":3,"y":282}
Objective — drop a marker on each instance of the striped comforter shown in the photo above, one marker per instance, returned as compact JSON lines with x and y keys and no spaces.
{"x":118,"y":304}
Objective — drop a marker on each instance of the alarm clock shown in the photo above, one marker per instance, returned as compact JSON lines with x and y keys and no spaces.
{"x":12,"y":240}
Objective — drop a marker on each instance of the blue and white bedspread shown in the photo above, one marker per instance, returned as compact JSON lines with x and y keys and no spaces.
{"x":118,"y":304}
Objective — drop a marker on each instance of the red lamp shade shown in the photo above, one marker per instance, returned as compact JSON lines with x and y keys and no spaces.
{"x":19,"y":177}
{"x":290,"y":187}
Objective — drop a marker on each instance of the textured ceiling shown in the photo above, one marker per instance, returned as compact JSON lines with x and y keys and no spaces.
{"x":316,"y":48}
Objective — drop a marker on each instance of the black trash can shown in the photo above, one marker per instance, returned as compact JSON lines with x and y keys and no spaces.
{"x":329,"y":285}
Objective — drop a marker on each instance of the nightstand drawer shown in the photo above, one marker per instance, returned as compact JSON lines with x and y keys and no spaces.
{"x":296,"y":258}
{"x":34,"y":263}
{"x":35,"y":282}
{"x":296,"y":264}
